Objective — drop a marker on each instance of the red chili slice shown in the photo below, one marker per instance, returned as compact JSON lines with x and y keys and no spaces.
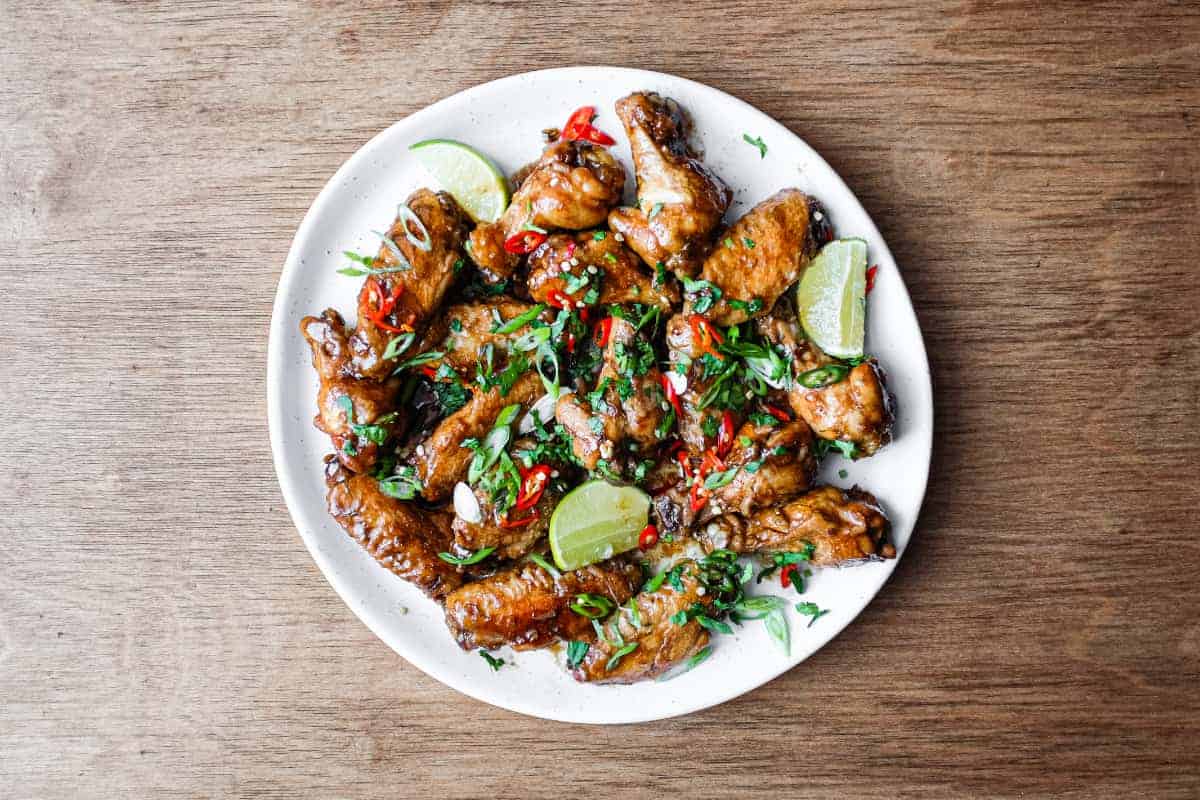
{"x":871,"y":278}
{"x":672,"y":396}
{"x":579,"y":127}
{"x":785,"y":577}
{"x":698,"y":497}
{"x":704,"y":334}
{"x":603,"y":331}
{"x":384,"y":304}
{"x":558,"y":298}
{"x":648,"y":537}
{"x":596,"y":136}
{"x":533,"y":485}
{"x":518,"y":523}
{"x":524,"y":242}
{"x":725,"y":435}
{"x":777,"y":413}
{"x":570,"y":343}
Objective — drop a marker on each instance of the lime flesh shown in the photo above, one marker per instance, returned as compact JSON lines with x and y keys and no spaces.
{"x":596,"y":521}
{"x":467,"y":174}
{"x":832,"y":298}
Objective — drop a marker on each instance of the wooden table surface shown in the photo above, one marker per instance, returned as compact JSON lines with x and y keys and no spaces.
{"x":1035,"y":168}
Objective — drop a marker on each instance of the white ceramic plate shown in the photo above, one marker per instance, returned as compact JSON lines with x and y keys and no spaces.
{"x":504,"y":119}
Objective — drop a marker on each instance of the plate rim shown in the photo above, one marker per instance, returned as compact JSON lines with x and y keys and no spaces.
{"x":275,"y":412}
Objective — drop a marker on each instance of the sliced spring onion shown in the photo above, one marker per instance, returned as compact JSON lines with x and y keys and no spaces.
{"x":516,"y":323}
{"x":398,"y":345}
{"x":823,"y":376}
{"x":541,"y":561}
{"x":542,"y":410}
{"x":463,"y":561}
{"x":402,"y":262}
{"x":592,"y":606}
{"x":408,"y":218}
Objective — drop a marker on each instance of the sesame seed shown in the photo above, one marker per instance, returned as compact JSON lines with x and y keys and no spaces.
{"x":700,"y":591}
{"x":619,"y":238}
{"x":818,"y":216}
{"x":565,"y":267}
{"x":664,"y":405}
{"x":553,"y":473}
{"x":574,"y":261}
{"x":592,"y":270}
{"x":579,"y":304}
{"x":420,"y":449}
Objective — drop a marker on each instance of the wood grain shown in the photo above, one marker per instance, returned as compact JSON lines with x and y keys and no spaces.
{"x":1034,"y":166}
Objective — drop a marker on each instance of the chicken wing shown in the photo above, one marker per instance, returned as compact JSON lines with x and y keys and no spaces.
{"x":680,"y":201}
{"x":773,"y":463}
{"x":410,"y":296}
{"x":658,"y":642}
{"x":371,"y":420}
{"x":572,"y":186}
{"x":857,"y":409}
{"x":403,"y":538}
{"x":627,"y":406}
{"x":526,"y":606}
{"x":843,"y":527}
{"x":762,"y":254}
{"x":464,"y":331}
{"x":441,"y":460}
{"x":595,"y":258}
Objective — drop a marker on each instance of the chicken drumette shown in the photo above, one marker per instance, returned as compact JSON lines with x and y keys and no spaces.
{"x":680,"y":201}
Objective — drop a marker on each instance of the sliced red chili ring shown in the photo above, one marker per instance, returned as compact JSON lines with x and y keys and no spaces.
{"x":725,"y":435}
{"x":518,"y":523}
{"x":672,"y":395}
{"x":533,"y":485}
{"x":648,"y":537}
{"x":558,"y":298}
{"x":698,"y":497}
{"x":429,"y":371}
{"x":603,"y":331}
{"x":704,"y":334}
{"x":524,"y":242}
{"x":579,"y":117}
{"x":871,"y":278}
{"x":777,"y":413}
{"x":785,"y":576}
{"x":384,"y":304}
{"x":570,"y":343}
{"x":595,"y":136}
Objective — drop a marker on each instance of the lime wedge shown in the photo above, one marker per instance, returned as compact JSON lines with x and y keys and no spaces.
{"x":467,"y":174}
{"x":596,"y":521}
{"x":832,"y":298}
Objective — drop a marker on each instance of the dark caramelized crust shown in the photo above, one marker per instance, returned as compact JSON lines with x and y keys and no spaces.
{"x":526,"y":606}
{"x":403,"y":538}
{"x":661,"y":643}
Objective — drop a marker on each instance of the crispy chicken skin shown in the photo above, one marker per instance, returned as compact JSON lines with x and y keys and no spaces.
{"x":441,"y":460}
{"x":857,"y":409}
{"x":629,"y":407}
{"x":401,"y":537}
{"x":420,"y":289}
{"x":526,"y":607}
{"x":372,"y":400}
{"x":661,"y":644}
{"x":620,"y":274}
{"x":844,"y":527}
{"x":681,"y":349}
{"x":573,"y":185}
{"x":680,"y":201}
{"x":764,"y":253}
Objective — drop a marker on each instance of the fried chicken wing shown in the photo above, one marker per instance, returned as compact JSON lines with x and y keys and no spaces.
{"x":572,"y":186}
{"x":777,"y":463}
{"x":691,"y":384}
{"x":844,"y":527}
{"x":626,"y":407}
{"x":441,"y":460}
{"x":372,"y":401}
{"x":401,"y":537}
{"x":764,"y":253}
{"x":414,"y":294}
{"x":680,"y":201}
{"x":604,"y":261}
{"x":857,"y":409}
{"x":659,"y":643}
{"x":526,"y":606}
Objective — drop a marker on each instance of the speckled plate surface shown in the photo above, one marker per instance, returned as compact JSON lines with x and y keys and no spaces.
{"x":504,"y":119}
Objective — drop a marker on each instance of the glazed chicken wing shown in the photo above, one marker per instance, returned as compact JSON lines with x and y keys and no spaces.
{"x":626,"y":409}
{"x":410,"y":296}
{"x":680,"y":201}
{"x":526,"y":606}
{"x":764,"y":253}
{"x":572,"y":186}
{"x":400,"y":536}
{"x":659,"y":643}
{"x":464,"y":331}
{"x":441,"y":460}
{"x":372,"y":420}
{"x":857,"y":409}
{"x":844,"y":527}
{"x":565,"y":260}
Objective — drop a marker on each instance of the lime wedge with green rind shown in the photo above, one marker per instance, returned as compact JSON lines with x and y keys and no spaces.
{"x":467,"y":174}
{"x":596,"y":521}
{"x":832,"y":298}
